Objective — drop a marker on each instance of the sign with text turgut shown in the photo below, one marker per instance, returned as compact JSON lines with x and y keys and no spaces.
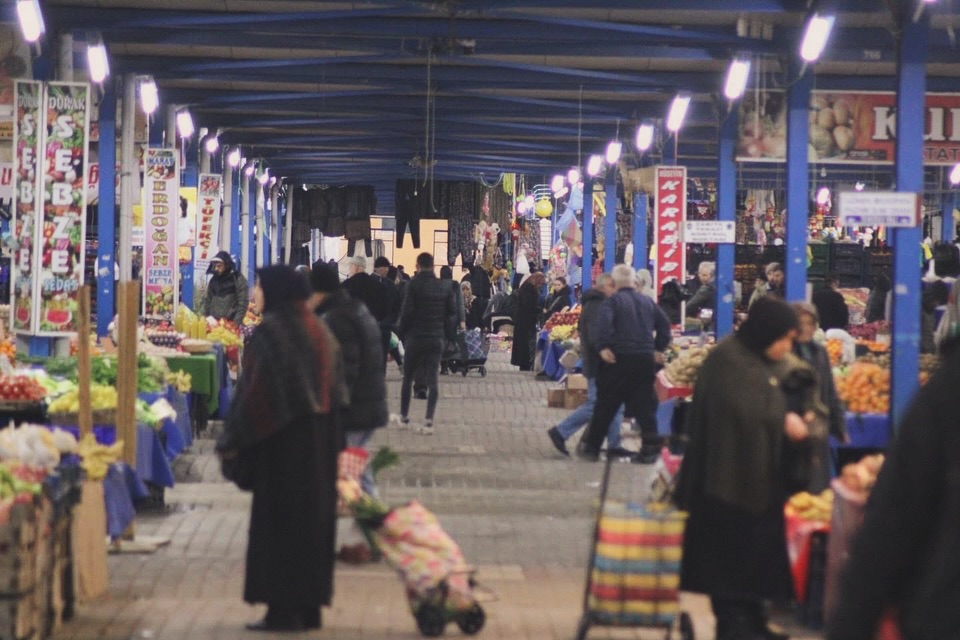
{"x":51,"y":137}
{"x":161,"y":207}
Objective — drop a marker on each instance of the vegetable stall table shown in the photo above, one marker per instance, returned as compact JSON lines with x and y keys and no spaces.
{"x":869,"y":433}
{"x":205,"y":375}
{"x":550,"y":354}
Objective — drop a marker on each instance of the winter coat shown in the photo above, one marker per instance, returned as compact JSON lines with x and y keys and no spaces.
{"x":733,"y":480}
{"x":905,"y":556}
{"x":525,"y":326}
{"x":356,"y":330}
{"x":429,"y":310}
{"x":877,"y":300}
{"x":557,"y":301}
{"x":227,"y":296}
{"x":704,"y":298}
{"x":371,"y":291}
{"x":474,"y":312}
{"x":591,"y":302}
{"x":631,"y":323}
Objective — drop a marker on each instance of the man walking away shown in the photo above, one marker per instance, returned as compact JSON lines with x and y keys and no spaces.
{"x":366,"y":288}
{"x":227,"y":292}
{"x":426,"y":321}
{"x":356,"y":330}
{"x":632,"y":332}
{"x":592,"y":301}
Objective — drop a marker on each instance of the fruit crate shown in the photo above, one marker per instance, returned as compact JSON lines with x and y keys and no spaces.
{"x":850,"y":281}
{"x":18,"y":551}
{"x":846,"y":250}
{"x":819,"y":266}
{"x":19,"y":617}
{"x":820,"y":250}
{"x":848,"y":265}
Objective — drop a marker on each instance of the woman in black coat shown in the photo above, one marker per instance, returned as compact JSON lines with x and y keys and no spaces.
{"x":525,"y":322}
{"x":733,"y":481}
{"x":281,"y":441}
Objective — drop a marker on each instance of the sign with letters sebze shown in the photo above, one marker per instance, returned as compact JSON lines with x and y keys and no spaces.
{"x":670,"y":212}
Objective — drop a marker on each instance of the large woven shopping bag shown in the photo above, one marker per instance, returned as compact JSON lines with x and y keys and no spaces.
{"x":636,"y":572}
{"x":350,"y":466}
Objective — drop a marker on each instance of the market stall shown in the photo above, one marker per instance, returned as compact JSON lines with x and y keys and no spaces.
{"x":559,"y":338}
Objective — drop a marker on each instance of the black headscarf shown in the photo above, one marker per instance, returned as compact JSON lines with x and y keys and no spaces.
{"x":282,"y":287}
{"x":768,"y":320}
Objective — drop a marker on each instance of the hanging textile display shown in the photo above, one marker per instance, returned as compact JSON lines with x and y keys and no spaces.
{"x":759,"y":218}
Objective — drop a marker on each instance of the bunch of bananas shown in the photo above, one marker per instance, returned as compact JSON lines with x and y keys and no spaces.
{"x":181,"y":381}
{"x":562,"y":332}
{"x":97,"y":458}
{"x":812,"y":507}
{"x":101,"y":397}
{"x":224,"y":336}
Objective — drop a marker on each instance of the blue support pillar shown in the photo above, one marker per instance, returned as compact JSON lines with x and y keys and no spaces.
{"x":798,"y":183}
{"x":948,"y":228}
{"x":587,"y":266}
{"x":610,"y":222}
{"x":190,"y":178}
{"x":107,"y":210}
{"x":235,"y":244}
{"x":640,"y":250}
{"x":911,"y":91}
{"x":726,"y":211}
{"x":267,"y":222}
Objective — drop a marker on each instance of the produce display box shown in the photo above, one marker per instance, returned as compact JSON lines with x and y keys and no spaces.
{"x":820,"y":250}
{"x":19,"y":617}
{"x":666,"y":390}
{"x":848,"y":265}
{"x":573,"y":398}
{"x":555,"y":398}
{"x":845,"y":250}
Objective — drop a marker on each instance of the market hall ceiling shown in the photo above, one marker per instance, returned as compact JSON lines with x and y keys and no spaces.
{"x":338,"y":92}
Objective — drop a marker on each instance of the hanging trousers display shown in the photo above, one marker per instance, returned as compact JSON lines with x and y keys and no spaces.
{"x":461,"y":207}
{"x":407,"y":212}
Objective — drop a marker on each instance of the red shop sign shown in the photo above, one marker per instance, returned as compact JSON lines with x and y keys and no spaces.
{"x":670,"y":212}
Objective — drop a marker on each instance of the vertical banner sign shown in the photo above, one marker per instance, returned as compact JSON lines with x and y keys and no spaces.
{"x":208,"y":221}
{"x":160,"y":211}
{"x":670,"y":214}
{"x":60,"y":237}
{"x":27,"y":127}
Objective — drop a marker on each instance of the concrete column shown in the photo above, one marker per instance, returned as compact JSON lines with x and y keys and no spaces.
{"x":726,"y":210}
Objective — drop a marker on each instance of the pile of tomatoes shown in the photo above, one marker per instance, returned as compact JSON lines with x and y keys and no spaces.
{"x":21,"y":388}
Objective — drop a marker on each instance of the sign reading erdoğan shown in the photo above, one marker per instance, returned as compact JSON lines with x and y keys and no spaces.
{"x":161,"y":266}
{"x":851,"y":127}
{"x":670,"y":212}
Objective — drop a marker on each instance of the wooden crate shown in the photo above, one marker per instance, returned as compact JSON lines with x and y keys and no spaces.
{"x":18,"y":551}
{"x":19,"y":617}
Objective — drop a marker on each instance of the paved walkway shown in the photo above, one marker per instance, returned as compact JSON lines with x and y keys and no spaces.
{"x":519,"y":510}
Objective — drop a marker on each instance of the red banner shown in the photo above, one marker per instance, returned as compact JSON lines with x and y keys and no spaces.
{"x":851,"y":127}
{"x":670,"y":213}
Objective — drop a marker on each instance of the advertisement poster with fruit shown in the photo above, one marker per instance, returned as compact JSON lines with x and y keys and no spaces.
{"x":61,"y":237}
{"x":161,"y":209}
{"x":855,"y":127}
{"x":15,"y":62}
{"x":208,"y":221}
{"x":27,"y":131}
{"x":669,"y":215}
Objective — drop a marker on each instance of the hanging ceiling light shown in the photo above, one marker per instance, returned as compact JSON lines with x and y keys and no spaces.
{"x":678,"y":111}
{"x":212,"y":143}
{"x":184,"y":124}
{"x":573,"y":176}
{"x":149,"y":96}
{"x":556,"y":183}
{"x":31,"y":19}
{"x":859,"y":186}
{"x":593,"y":165}
{"x":233,"y":158}
{"x":823,"y":196}
{"x":613,"y":151}
{"x":644,"y":136}
{"x":264,"y":177}
{"x":955,"y":174}
{"x":737,"y":76}
{"x":815,"y":36}
{"x":97,"y":63}
{"x":248,"y":170}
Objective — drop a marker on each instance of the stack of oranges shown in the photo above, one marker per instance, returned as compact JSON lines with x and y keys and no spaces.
{"x":8,"y":347}
{"x":835,"y":351}
{"x":865,"y":388}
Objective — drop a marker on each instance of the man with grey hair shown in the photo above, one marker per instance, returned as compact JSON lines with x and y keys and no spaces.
{"x":706,"y":295}
{"x":366,"y":288}
{"x":631,"y":334}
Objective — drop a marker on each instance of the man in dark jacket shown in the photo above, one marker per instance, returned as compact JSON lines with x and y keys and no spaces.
{"x":427,"y":320}
{"x":905,"y":559}
{"x":706,"y":294}
{"x":366,"y":288}
{"x":227,"y":292}
{"x":452,"y":348}
{"x":589,"y":314}
{"x":632,"y":333}
{"x":356,"y":330}
{"x":381,"y":271}
{"x":831,"y":307}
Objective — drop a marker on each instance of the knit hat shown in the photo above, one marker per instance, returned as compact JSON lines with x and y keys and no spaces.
{"x":358,"y":261}
{"x":381,"y":262}
{"x":768,"y":320}
{"x":324,"y":277}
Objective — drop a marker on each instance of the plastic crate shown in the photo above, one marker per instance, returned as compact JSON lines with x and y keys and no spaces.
{"x":850,"y":281}
{"x":845,"y":250}
{"x":848,"y":265}
{"x":747,"y":254}
{"x":820,"y":250}
{"x":819,"y":267}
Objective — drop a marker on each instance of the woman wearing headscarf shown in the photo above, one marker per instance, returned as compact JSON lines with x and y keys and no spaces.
{"x":281,"y":439}
{"x":525,"y":321}
{"x":473,"y":306}
{"x":748,"y":434}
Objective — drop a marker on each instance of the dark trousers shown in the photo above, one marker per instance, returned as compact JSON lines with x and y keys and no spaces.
{"x":738,"y":617}
{"x":629,"y":382}
{"x":425,"y":355}
{"x":352,"y":248}
{"x":408,"y":216}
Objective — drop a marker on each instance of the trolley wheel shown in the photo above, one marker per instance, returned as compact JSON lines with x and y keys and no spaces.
{"x":471,"y":620}
{"x":483,"y":371}
{"x":431,"y":621}
{"x":583,"y":628}
{"x":686,"y":627}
